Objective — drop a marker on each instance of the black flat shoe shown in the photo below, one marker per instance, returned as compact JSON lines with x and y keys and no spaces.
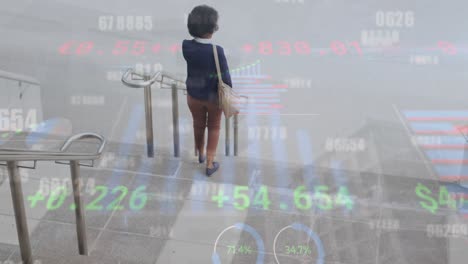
{"x":209,"y":171}
{"x":201,"y":159}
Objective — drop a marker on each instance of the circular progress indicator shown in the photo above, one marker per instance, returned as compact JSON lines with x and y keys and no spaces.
{"x":240,"y":249}
{"x":294,"y":249}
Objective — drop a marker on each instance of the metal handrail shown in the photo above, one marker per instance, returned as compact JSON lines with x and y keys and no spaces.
{"x":173,"y":79}
{"x":13,"y":156}
{"x":18,"y":77}
{"x":76,"y":137}
{"x":174,"y":84}
{"x":9,"y":154}
{"x":146,"y":84}
{"x":140,"y":84}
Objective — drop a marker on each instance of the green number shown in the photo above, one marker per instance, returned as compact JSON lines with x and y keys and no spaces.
{"x":137,"y":196}
{"x":293,"y":250}
{"x":93,"y":205}
{"x":34,"y":199}
{"x":428,"y":202}
{"x":53,"y":197}
{"x":220,"y":198}
{"x":115,"y":205}
{"x":301,"y":199}
{"x":244,"y":197}
{"x":288,"y":250}
{"x":231,"y":249}
{"x":445,"y":198}
{"x":326,"y":202}
{"x":343,"y":198}
{"x":262,"y":198}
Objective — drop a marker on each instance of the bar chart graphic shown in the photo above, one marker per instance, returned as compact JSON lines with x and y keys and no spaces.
{"x":441,"y":136}
{"x":264,"y":96}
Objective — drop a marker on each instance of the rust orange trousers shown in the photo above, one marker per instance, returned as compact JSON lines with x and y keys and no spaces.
{"x":205,"y":114}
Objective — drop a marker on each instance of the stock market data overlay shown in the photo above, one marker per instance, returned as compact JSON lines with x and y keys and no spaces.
{"x":333,"y":132}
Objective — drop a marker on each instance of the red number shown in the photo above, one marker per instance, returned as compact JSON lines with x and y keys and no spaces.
{"x":265,"y":48}
{"x":338,"y":47}
{"x":120,"y":47}
{"x":302,"y":47}
{"x":139,"y":47}
{"x":65,"y":47}
{"x":174,"y":48}
{"x":156,"y":48}
{"x":84,"y":48}
{"x":447,"y":47}
{"x":356,"y":46}
{"x":285,"y":48}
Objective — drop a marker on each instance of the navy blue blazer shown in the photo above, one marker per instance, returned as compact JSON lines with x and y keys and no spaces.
{"x":202,"y":79}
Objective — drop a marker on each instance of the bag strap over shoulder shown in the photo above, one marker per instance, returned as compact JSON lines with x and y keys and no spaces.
{"x":218,"y":69}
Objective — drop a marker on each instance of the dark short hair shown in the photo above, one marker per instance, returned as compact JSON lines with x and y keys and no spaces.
{"x":202,"y":20}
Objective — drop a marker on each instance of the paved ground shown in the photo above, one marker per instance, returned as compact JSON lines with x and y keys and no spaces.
{"x":180,"y":222}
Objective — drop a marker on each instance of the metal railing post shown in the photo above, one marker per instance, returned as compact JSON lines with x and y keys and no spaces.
{"x":79,"y":212}
{"x":128,"y":80}
{"x":175,"y":120}
{"x":228,"y":135}
{"x":236,"y":135}
{"x":149,"y":119}
{"x":20,"y":214}
{"x":13,"y":156}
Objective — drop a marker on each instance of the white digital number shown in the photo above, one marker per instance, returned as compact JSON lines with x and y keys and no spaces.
{"x":345,"y":144}
{"x":120,"y":23}
{"x":409,"y":19}
{"x":139,"y":23}
{"x":13,"y":119}
{"x":102,"y":22}
{"x":394,"y":19}
{"x":129,"y":23}
{"x":148,"y":21}
{"x":4,"y":119}
{"x":16,"y":119}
